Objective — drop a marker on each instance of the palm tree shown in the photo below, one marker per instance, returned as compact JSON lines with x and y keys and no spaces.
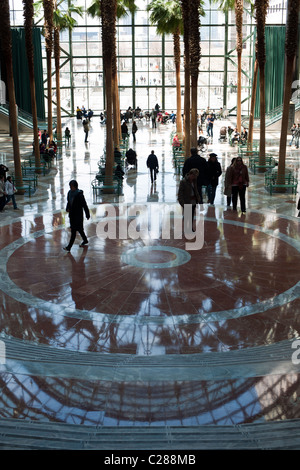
{"x":185,"y":8}
{"x":28,"y":12}
{"x":252,"y":107}
{"x":195,"y":52}
{"x":261,"y":7}
{"x":291,"y":44}
{"x":238,"y":7}
{"x":167,"y":16}
{"x":62,"y":20}
{"x":48,"y":26}
{"x":6,"y":44}
{"x":121,"y":9}
{"x":108,"y":9}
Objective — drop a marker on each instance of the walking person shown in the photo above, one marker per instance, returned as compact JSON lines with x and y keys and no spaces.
{"x":292,"y":130}
{"x":134,"y":130}
{"x":124,"y":131}
{"x":210,"y":125}
{"x":10,"y":192}
{"x":153,"y":118}
{"x":227,"y":184}
{"x":214,"y":171}
{"x":67,"y":135}
{"x":198,"y":162}
{"x":86,"y":129}
{"x":297,"y":136}
{"x":76,"y":205}
{"x":2,"y":193}
{"x":152,"y":164}
{"x":239,"y":181}
{"x":188,"y":194}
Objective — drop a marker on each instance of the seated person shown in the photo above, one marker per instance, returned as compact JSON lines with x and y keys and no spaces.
{"x":47,"y":155}
{"x":131,"y":157}
{"x":78,"y":113}
{"x":117,"y":155}
{"x":235,"y":136}
{"x":53,"y":146}
{"x":201,"y":140}
{"x":244,"y":135}
{"x":176,"y":143}
{"x":230,"y":131}
{"x":119,"y":173}
{"x":42,"y":148}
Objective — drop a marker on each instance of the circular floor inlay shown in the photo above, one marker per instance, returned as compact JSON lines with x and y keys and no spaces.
{"x":134,"y":257}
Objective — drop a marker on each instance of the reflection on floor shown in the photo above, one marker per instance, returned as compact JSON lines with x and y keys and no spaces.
{"x":149,"y":339}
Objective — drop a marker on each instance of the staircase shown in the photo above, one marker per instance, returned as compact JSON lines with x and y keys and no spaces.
{"x":22,"y":434}
{"x":272,"y":116}
{"x":24,"y":119}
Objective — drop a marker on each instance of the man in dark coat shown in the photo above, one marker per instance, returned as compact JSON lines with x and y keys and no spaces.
{"x":152,"y":164}
{"x":195,"y":161}
{"x":76,"y":204}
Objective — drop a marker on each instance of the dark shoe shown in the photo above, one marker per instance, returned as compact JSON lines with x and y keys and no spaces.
{"x":67,"y":249}
{"x":83,"y":243}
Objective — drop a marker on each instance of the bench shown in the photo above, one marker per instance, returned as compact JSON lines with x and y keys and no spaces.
{"x":244,"y":153}
{"x":179,"y":162}
{"x":26,"y":169}
{"x":288,"y":182}
{"x":24,"y":187}
{"x":254,"y":164}
{"x":99,"y":186}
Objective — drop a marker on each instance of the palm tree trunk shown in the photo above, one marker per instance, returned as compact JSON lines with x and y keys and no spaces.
{"x":176,"y":41}
{"x":291,"y":43}
{"x":239,"y":5}
{"x":115,"y":91}
{"x":261,"y":13}
{"x":28,"y":15}
{"x":6,"y":44}
{"x":289,"y":71}
{"x":48,"y":12}
{"x":57,"y":81}
{"x":239,"y":93}
{"x":262,"y":136}
{"x":108,"y":32}
{"x":252,"y":107}
{"x":116,"y":110}
{"x":187,"y":79}
{"x":194,"y":111}
{"x":194,"y":66}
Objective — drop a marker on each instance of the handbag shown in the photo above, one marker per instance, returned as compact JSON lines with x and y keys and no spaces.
{"x":156,"y":170}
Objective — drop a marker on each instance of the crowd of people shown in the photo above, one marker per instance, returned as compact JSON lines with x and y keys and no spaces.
{"x":198,"y":173}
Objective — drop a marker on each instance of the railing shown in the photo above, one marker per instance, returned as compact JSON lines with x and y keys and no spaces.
{"x":272,"y":116}
{"x":24,"y":117}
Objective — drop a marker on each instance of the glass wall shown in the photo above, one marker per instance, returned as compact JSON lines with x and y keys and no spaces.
{"x":146,"y":70}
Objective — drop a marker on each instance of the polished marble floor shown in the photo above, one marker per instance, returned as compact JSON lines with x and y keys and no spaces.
{"x":148,"y":338}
